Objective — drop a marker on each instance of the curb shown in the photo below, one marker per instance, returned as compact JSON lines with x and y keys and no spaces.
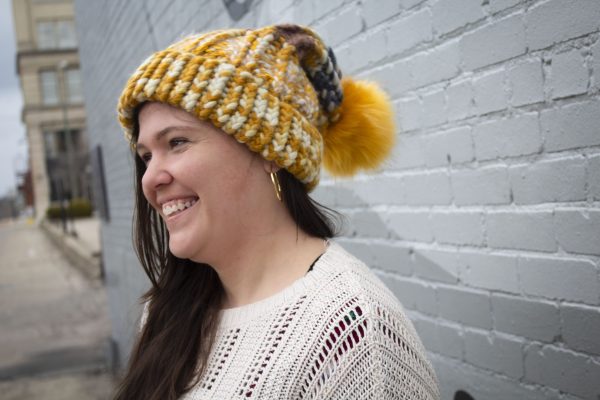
{"x":78,"y":255}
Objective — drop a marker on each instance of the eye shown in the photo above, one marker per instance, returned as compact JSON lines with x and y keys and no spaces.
{"x":175,"y":142}
{"x":146,"y":157}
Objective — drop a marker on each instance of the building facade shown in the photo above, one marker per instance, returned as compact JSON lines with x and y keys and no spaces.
{"x":48,"y":66}
{"x":485,"y":221}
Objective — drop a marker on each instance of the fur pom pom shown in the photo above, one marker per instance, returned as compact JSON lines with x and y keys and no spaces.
{"x":364,"y":135}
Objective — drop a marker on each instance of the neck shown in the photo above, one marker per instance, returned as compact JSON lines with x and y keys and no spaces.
{"x":256,"y":268}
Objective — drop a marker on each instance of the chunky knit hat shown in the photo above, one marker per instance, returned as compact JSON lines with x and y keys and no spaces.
{"x":278,"y":90}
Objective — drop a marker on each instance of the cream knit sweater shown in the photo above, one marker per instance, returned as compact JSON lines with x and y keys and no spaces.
{"x":336,"y":333}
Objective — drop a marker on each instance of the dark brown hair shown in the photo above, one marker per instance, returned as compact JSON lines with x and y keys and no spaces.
{"x":171,"y":351}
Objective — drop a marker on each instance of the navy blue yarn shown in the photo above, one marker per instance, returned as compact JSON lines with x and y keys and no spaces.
{"x":323,"y":79}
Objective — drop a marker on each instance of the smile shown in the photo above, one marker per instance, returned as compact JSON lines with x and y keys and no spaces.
{"x":174,"y":207}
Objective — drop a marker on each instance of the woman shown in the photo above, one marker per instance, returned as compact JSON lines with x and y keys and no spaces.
{"x":249,"y":298}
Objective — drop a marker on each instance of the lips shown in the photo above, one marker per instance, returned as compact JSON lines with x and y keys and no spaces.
{"x":176,"y":206}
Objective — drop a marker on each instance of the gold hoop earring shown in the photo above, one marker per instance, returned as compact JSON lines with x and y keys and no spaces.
{"x":276,"y":186}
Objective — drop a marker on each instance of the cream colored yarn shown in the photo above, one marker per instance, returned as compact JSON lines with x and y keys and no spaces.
{"x":250,"y":84}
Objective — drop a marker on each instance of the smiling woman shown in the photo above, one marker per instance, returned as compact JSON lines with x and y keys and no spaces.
{"x":250,"y":298}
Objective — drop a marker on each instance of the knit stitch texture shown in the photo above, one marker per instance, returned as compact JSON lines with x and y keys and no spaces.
{"x":250,"y":84}
{"x":336,"y":333}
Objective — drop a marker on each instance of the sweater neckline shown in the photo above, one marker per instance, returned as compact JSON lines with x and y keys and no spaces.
{"x":238,"y":316}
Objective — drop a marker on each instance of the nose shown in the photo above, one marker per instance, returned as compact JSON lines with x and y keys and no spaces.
{"x":156,"y":175}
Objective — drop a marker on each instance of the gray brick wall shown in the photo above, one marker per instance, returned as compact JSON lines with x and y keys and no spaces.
{"x":486,"y":221}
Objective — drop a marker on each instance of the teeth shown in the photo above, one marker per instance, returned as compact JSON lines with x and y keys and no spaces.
{"x":177,"y":205}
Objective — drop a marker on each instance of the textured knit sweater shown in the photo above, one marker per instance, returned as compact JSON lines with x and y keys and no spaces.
{"x":336,"y":333}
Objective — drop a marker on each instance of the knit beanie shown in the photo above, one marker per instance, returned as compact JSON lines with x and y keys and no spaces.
{"x":278,"y":90}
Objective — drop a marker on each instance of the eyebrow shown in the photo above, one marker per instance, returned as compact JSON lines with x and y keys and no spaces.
{"x":162,"y":133}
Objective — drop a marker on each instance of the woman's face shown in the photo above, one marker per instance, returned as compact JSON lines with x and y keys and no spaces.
{"x":201,"y":181}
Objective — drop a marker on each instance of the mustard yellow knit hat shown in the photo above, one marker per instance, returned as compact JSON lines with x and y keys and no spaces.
{"x":278,"y":90}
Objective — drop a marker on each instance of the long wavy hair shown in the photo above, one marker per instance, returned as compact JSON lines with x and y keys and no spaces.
{"x":171,"y":351}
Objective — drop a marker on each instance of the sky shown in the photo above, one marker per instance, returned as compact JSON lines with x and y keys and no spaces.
{"x":13,"y":144}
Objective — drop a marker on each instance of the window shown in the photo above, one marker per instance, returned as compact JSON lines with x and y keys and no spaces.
{"x":45,"y":34}
{"x":73,"y":84}
{"x":51,"y":144}
{"x":65,"y":34}
{"x":49,"y":87}
{"x":58,"y":34}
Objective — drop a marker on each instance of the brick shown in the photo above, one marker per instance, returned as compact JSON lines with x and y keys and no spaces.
{"x":526,"y":230}
{"x":325,"y":7}
{"x":368,"y":224}
{"x":346,"y":196}
{"x":580,"y":325}
{"x":434,"y":106}
{"x":577,"y":230}
{"x":465,"y":306}
{"x":494,"y":352}
{"x":559,"y":20}
{"x":343,"y":55}
{"x":409,"y":113}
{"x":498,"y":41}
{"x":569,"y":74}
{"x":549,"y":181}
{"x":436,"y":265}
{"x":430,"y":188}
{"x":362,"y":251}
{"x":304,"y":13}
{"x":489,"y":271}
{"x":593,"y":176}
{"x":559,"y":279}
{"x":407,"y":4}
{"x":346,"y":24}
{"x":486,"y":185}
{"x":490,"y":93}
{"x":450,"y":339}
{"x":393,"y":257}
{"x":427,"y":332}
{"x":479,"y":383}
{"x":458,"y":227}
{"x":367,"y":50}
{"x":453,"y":146}
{"x":449,"y":15}
{"x":596,"y":64}
{"x":439,"y":337}
{"x":379,"y":189}
{"x":376,"y":11}
{"x":459,"y":103}
{"x":526,"y":82}
{"x":570,"y":372}
{"x":500,"y":5}
{"x":435,"y":65}
{"x":572,"y":126}
{"x":516,"y":136}
{"x":413,"y":294}
{"x":324,"y":194}
{"x":396,"y":77}
{"x":409,"y":32}
{"x":533,"y":319}
{"x":407,"y":153}
{"x":410,"y":225}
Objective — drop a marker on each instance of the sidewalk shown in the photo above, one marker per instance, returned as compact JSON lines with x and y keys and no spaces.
{"x":81,"y":248}
{"x":54,"y":326}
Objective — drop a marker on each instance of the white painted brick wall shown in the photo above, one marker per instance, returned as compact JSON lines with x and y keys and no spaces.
{"x":485,"y":222}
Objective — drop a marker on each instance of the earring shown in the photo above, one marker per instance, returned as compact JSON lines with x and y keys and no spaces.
{"x":276,"y":186}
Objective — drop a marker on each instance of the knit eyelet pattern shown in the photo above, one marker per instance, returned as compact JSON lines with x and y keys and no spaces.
{"x":253,"y":86}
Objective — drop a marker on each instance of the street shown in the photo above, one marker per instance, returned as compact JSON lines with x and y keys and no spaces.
{"x":54,"y":326}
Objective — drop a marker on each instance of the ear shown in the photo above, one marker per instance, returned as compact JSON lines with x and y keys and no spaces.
{"x":270,"y":166}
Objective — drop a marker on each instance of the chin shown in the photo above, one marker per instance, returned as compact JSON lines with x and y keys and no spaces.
{"x":184,"y":251}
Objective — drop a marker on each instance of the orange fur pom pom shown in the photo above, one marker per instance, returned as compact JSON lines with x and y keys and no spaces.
{"x":364,"y":135}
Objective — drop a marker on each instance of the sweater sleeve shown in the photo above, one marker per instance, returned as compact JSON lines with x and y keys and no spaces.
{"x":374,"y":353}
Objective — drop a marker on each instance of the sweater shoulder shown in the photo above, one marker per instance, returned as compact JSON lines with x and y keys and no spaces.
{"x":365,"y":326}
